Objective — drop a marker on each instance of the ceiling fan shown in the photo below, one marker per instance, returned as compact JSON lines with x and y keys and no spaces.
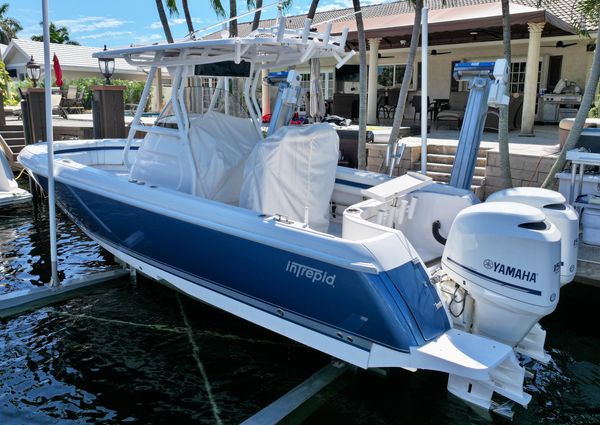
{"x":477,"y":31}
{"x":560,"y":44}
{"x":436,"y":52}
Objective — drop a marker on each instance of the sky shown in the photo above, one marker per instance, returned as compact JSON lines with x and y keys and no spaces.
{"x":119,"y":23}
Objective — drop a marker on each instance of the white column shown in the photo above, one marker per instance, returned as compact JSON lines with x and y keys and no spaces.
{"x":372,"y":83}
{"x":265,"y":99}
{"x":531,"y":77}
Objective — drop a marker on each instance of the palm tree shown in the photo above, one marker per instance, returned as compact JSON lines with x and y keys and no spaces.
{"x":362,"y":103}
{"x":164,"y":21}
{"x":188,"y":17}
{"x":58,"y":35}
{"x":258,"y":4}
{"x":9,"y":27}
{"x":412,"y":51}
{"x":233,"y":25}
{"x":590,"y":9}
{"x":506,"y":177}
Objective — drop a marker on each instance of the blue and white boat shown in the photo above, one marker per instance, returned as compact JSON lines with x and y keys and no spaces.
{"x":378,"y":272}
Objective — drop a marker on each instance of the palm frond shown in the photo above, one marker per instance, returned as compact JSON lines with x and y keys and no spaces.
{"x":217,"y":6}
{"x":172,"y":7}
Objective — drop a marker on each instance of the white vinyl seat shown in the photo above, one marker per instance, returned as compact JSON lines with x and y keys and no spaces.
{"x":292,"y":170}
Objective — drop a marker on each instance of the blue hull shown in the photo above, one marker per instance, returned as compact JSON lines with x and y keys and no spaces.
{"x":398,"y":308}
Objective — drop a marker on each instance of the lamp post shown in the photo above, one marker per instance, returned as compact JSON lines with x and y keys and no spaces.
{"x":107,"y":67}
{"x":33,"y":71}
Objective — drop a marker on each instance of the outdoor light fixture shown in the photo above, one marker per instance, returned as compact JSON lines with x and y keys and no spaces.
{"x":33,"y":71}
{"x":107,"y":67}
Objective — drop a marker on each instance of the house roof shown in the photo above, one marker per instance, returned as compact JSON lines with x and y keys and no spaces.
{"x":71,"y":57}
{"x":562,"y":16}
{"x":457,"y":23}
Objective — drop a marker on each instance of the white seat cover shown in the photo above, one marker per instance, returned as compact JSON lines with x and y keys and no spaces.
{"x":220,"y":145}
{"x":291,"y":170}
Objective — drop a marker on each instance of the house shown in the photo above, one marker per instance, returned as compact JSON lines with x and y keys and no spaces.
{"x":545,"y":50}
{"x":75,"y":61}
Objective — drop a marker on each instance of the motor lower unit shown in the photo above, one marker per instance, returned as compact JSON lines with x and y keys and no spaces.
{"x":504,"y":261}
{"x":558,"y":213}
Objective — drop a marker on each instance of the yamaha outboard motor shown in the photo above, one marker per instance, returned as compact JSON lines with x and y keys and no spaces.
{"x":558,"y":213}
{"x":503,"y":259}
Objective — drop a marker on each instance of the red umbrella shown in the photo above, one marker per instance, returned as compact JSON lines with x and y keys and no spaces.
{"x":57,"y":71}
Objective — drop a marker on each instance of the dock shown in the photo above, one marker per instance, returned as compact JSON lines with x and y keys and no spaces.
{"x":588,"y":265}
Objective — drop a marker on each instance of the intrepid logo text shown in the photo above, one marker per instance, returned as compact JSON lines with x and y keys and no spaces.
{"x":510,"y":271}
{"x":310,"y":273}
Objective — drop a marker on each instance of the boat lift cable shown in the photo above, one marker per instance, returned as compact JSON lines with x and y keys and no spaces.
{"x":196,"y":355}
{"x":54,"y":281}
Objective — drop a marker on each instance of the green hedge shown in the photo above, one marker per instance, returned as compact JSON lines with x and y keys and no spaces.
{"x":132,"y":94}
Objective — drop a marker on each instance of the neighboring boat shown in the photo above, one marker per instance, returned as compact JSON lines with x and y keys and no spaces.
{"x":10,"y":193}
{"x":271,"y":230}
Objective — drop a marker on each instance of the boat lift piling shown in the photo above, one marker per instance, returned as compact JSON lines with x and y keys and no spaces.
{"x":17,"y":302}
{"x":291,"y":401}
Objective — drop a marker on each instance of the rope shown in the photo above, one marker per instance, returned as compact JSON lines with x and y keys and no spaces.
{"x":196,"y":354}
{"x":20,"y":174}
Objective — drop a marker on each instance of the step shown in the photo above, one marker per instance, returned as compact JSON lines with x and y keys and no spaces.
{"x":447,"y":168}
{"x":451,"y":150}
{"x":14,"y":141}
{"x":445,"y":177}
{"x":17,"y":148}
{"x":4,"y":128}
{"x":449,"y":159}
{"x":12,"y":133}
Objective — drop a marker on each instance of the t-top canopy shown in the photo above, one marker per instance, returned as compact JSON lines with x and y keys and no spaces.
{"x":264,"y":47}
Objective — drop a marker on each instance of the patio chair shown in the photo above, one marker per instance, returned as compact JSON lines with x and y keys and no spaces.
{"x":72,"y":101}
{"x":384,"y":110}
{"x":457,"y":103}
{"x":415,"y":102}
{"x":70,"y":97}
{"x":56,"y":108}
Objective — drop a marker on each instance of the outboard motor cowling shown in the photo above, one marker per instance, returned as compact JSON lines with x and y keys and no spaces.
{"x":558,"y":212}
{"x":506,"y":256}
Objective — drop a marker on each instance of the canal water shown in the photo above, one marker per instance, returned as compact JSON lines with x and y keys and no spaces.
{"x":150,"y":356}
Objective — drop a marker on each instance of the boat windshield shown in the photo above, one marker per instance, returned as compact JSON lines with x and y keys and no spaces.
{"x":204,"y":94}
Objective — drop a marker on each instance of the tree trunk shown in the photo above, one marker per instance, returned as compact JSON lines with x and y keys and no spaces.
{"x":312,"y":9}
{"x":188,"y":17}
{"x":503,"y":121}
{"x":163,"y":20}
{"x":233,"y":25}
{"x":257,"y":14}
{"x":582,"y":113}
{"x":362,"y":107}
{"x":410,"y":62}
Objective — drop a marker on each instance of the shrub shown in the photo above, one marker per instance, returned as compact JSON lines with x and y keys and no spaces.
{"x":132,"y":93}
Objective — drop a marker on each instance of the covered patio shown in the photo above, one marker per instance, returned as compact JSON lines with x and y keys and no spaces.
{"x":545,"y":50}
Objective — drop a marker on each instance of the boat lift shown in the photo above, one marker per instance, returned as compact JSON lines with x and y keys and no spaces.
{"x":487,"y":87}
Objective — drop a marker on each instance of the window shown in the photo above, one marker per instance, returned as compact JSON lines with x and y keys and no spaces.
{"x":390,"y":76}
{"x":517,"y":77}
{"x":326,"y":83}
{"x":454,"y":86}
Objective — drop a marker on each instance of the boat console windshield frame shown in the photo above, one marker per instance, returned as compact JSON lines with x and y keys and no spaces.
{"x":277,"y":47}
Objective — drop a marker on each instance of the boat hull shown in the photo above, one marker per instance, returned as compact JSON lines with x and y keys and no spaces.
{"x":283,"y":290}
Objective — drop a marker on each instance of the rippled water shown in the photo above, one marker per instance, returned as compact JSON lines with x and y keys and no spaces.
{"x":148,"y":355}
